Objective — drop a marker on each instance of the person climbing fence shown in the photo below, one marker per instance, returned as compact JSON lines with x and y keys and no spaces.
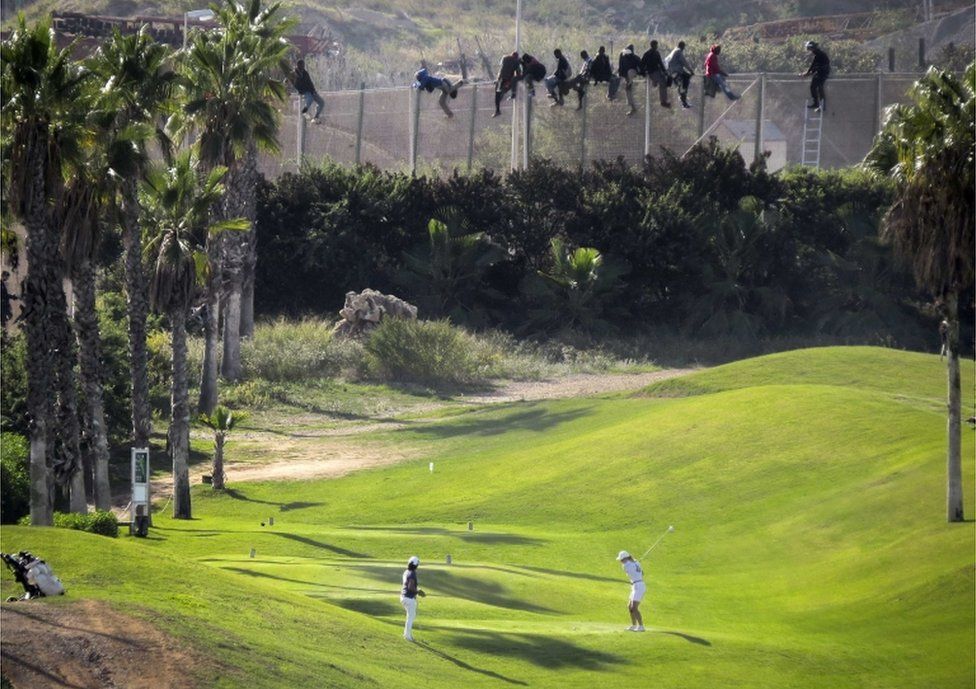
{"x":820,"y":70}
{"x":715,"y":76}
{"x":652,"y":67}
{"x":427,"y":82}
{"x":510,"y":68}
{"x":680,"y":72}
{"x":628,"y":67}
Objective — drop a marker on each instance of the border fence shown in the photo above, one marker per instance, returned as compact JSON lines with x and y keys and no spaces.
{"x":403,"y":129}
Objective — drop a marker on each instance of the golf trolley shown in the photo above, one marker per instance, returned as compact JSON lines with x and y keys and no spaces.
{"x":33,"y":574}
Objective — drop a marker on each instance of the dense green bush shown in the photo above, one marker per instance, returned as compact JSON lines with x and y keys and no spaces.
{"x":428,"y":352}
{"x":97,"y":522}
{"x":13,"y":391}
{"x":298,"y":350}
{"x":14,"y":477}
{"x":810,"y":267}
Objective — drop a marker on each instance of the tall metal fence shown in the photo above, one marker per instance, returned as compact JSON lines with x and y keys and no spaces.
{"x":404,"y":129}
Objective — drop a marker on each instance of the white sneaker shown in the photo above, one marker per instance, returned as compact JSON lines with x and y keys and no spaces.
{"x":408,"y":638}
{"x":631,"y":628}
{"x":639,"y":629}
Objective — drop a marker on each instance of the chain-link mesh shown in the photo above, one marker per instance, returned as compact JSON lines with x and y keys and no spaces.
{"x":379,"y":124}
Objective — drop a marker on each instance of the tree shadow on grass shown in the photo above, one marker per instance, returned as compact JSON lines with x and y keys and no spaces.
{"x":474,"y":589}
{"x":534,"y":418}
{"x":688,"y":637}
{"x":282,"y":506}
{"x":315,"y":544}
{"x":572,"y":575}
{"x":366,"y":606}
{"x":486,"y":537}
{"x":543,"y":651}
{"x":466,"y":666}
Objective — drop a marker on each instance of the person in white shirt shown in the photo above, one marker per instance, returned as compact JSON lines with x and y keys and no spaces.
{"x":637,"y":588}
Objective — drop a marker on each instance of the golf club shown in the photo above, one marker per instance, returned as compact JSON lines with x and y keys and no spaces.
{"x":670,"y":529}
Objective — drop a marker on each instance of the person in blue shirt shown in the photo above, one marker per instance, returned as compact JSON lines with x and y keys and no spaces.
{"x":408,"y":595}
{"x":424,"y":80}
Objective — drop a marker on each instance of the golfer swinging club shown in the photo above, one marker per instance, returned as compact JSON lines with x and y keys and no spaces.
{"x":637,"y":588}
{"x":408,"y":595}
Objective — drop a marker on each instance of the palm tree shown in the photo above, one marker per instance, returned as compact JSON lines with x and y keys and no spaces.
{"x":927,"y":148}
{"x":576,"y":292}
{"x":137,"y":86}
{"x":177,"y":206}
{"x":42,"y":91}
{"x":222,"y":420}
{"x":445,"y":275}
{"x":233,"y":78}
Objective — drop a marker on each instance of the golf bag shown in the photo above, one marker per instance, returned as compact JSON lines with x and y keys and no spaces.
{"x":34,"y":575}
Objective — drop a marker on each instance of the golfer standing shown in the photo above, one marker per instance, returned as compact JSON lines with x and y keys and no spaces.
{"x":408,"y":595}
{"x":637,"y":588}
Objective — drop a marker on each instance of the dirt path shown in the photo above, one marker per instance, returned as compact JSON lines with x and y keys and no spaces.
{"x":88,"y":645}
{"x":304,"y":453}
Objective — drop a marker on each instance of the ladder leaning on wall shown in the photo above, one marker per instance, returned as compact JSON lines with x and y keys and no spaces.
{"x":812,"y":134}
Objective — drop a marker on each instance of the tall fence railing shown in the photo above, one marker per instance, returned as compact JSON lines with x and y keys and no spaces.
{"x":404,"y":129}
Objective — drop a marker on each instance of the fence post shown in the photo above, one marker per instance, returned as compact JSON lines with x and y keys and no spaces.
{"x":878,"y":101}
{"x":359,"y":123}
{"x":586,"y":101}
{"x":474,"y":116}
{"x":760,"y":113}
{"x":921,"y":54}
{"x":701,"y":110}
{"x":515,"y":127}
{"x":526,"y":128}
{"x":891,"y":59}
{"x":647,"y":116}
{"x":300,"y":139}
{"x":414,"y":128}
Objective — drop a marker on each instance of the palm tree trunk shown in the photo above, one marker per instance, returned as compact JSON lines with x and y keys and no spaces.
{"x":179,"y":433}
{"x":218,"y":462}
{"x":239,"y":202}
{"x":90,"y":367}
{"x":247,"y":298}
{"x":211,"y":335}
{"x":232,"y":369}
{"x":954,"y":506}
{"x":69,"y":465}
{"x":138,"y":310}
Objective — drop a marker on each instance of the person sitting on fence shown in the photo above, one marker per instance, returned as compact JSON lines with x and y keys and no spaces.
{"x":628,"y":67}
{"x":533,"y":71}
{"x":555,"y":82}
{"x":306,"y":90}
{"x":582,"y":78}
{"x":507,"y":71}
{"x":601,"y":71}
{"x":680,"y":72}
{"x":652,"y":67}
{"x":820,"y":69}
{"x":427,"y":82}
{"x":715,"y":76}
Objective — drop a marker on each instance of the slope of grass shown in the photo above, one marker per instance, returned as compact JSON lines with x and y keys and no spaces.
{"x":811,"y":550}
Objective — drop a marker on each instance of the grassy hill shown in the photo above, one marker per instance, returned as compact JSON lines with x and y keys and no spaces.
{"x":810,"y":550}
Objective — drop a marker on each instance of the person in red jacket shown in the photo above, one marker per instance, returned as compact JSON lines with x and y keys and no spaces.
{"x":716,"y":74}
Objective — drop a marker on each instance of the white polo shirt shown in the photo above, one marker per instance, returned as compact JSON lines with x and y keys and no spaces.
{"x":633,"y":571}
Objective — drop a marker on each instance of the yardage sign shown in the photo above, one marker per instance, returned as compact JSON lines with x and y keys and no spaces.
{"x":140,"y":476}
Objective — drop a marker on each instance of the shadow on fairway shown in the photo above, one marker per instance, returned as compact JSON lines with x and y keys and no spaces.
{"x":688,"y":637}
{"x":542,"y":651}
{"x":373,"y":608}
{"x":486,"y":537}
{"x":528,"y":420}
{"x":282,"y":506}
{"x":470,"y":668}
{"x":474,"y":589}
{"x":571,"y":575}
{"x":315,"y":544}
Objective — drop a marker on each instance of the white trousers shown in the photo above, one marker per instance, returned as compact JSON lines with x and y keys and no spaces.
{"x":410,"y":605}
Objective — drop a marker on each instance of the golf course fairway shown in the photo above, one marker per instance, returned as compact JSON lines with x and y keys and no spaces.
{"x":811,"y":549}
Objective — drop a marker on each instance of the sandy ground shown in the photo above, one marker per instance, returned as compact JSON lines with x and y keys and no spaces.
{"x":304,"y":453}
{"x":89,"y":645}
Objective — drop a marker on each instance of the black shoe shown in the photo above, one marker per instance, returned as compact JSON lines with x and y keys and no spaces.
{"x":304,"y":110}
{"x":813,"y":106}
{"x":497,"y":114}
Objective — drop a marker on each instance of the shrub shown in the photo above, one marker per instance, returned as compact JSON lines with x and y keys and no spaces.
{"x":14,"y":477}
{"x":428,"y":352}
{"x":13,"y":392}
{"x":297,"y":350}
{"x":97,"y":522}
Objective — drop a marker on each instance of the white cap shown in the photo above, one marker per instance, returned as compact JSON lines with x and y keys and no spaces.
{"x":622,"y":554}
{"x":414,"y":561}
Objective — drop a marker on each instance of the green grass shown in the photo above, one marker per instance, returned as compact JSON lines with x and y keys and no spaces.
{"x":811,"y":549}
